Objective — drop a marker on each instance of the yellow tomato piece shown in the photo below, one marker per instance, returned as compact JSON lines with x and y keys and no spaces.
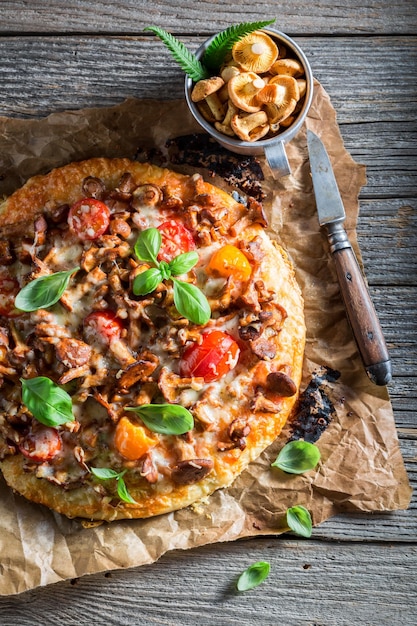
{"x":229,"y":261}
{"x":131,"y":440}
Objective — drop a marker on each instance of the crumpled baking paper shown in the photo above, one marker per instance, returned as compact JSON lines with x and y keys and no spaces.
{"x":361,"y":467}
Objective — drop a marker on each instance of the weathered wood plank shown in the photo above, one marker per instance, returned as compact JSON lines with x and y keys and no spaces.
{"x":41,"y":74}
{"x":310,"y":583}
{"x":403,"y":394}
{"x":68,"y":73}
{"x":387,"y":235}
{"x":396,"y":307}
{"x":325,"y":16}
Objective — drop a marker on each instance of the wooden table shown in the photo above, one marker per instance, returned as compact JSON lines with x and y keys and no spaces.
{"x":357,"y":569}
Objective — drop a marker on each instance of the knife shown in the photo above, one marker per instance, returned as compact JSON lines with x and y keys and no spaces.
{"x":358,"y":304}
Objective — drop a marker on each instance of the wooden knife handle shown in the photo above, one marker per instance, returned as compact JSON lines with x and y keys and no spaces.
{"x":362,"y":316}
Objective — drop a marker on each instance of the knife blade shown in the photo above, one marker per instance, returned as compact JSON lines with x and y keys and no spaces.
{"x":357,"y":301}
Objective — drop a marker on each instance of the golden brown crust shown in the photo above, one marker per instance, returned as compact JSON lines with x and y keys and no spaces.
{"x":276,"y":273}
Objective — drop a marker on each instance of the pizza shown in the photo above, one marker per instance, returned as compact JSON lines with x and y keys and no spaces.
{"x":151,"y":339}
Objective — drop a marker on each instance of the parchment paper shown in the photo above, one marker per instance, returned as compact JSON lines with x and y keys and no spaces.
{"x":361,"y":467}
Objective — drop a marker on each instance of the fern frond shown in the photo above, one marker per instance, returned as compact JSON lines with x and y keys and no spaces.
{"x":224,"y":42}
{"x":186,"y":59}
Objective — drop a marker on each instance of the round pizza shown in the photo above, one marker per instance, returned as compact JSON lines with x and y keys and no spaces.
{"x":151,"y":339}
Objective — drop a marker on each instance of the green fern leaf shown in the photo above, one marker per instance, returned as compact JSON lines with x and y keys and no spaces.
{"x":186,"y":60}
{"x":223,"y":42}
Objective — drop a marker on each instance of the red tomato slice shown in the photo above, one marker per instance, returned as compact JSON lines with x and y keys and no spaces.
{"x":9,"y":288}
{"x":89,"y":218}
{"x":41,"y":445}
{"x":211,"y":359}
{"x":103,"y":325}
{"x":176,"y":239}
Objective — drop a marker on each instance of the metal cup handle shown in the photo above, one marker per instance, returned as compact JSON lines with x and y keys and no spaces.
{"x":277,"y":159}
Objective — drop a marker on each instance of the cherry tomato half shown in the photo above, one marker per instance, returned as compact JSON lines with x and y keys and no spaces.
{"x":229,"y":261}
{"x":103,"y":325}
{"x":176,"y":239}
{"x":211,"y":359}
{"x":42,"y":444}
{"x":9,"y":288}
{"x":89,"y":218}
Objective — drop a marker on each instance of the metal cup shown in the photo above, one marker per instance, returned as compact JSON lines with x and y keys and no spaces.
{"x":273,"y":148}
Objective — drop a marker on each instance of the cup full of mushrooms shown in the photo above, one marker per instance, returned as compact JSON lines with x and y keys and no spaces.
{"x":259,"y":98}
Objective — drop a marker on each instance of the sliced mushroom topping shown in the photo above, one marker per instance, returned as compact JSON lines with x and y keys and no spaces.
{"x":251,"y":127}
{"x":40,"y":231}
{"x":93,"y":187}
{"x":72,"y":352}
{"x":256,"y":52}
{"x":239,"y":429}
{"x":6,"y":255}
{"x":140,"y":371}
{"x":265,"y":405}
{"x":263,"y":348}
{"x":126,"y":184}
{"x":281,"y":384}
{"x":191,"y":471}
{"x":172,"y":385}
{"x":146,"y":195}
{"x":148,"y":469}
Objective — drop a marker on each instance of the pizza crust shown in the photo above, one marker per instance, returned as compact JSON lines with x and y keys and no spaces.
{"x":276,"y":273}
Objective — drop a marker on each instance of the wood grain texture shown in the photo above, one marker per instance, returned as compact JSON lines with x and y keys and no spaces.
{"x":43,"y":74}
{"x":372,"y":16}
{"x":357,"y":569}
{"x":311,"y":583}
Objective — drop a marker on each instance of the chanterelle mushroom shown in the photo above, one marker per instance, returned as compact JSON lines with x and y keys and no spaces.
{"x":206,"y":87}
{"x":287,"y":94}
{"x":250,"y":127}
{"x":243,"y":90}
{"x":256,"y":52}
{"x":290,"y":67}
{"x":205,"y":91}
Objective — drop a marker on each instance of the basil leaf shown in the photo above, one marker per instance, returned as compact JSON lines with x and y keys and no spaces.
{"x":123,"y":493}
{"x":166,"y":419}
{"x":44,"y":291}
{"x":147,"y":281}
{"x":191,"y":302}
{"x":297,"y":457}
{"x":49,"y":404}
{"x":299,"y":521}
{"x":104,"y":473}
{"x":148,"y":244}
{"x":253,"y":576}
{"x":183,"y":263}
{"x":165,"y":270}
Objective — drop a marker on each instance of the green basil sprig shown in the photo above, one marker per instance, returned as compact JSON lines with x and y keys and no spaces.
{"x":44,"y":291}
{"x":49,"y":404}
{"x":189,"y":300}
{"x":299,"y":520}
{"x":166,"y":419}
{"x":106,"y":473}
{"x":297,"y":457}
{"x":253,"y":576}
